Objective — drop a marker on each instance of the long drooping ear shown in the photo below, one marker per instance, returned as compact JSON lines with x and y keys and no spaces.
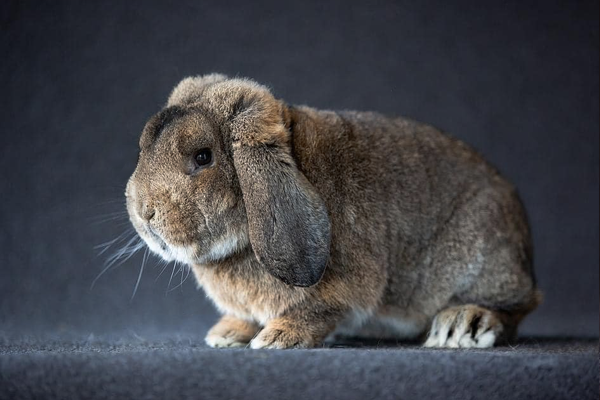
{"x":191,"y":88}
{"x":288,"y":222}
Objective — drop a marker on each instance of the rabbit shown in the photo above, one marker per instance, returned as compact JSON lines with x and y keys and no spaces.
{"x":302,"y":225}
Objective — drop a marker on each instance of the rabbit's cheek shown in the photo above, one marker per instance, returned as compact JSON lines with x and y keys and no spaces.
{"x":224,"y":247}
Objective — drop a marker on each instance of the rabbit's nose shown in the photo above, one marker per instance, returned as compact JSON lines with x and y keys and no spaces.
{"x":148,"y":212}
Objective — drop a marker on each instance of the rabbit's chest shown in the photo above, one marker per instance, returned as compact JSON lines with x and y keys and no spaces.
{"x":257,"y":297}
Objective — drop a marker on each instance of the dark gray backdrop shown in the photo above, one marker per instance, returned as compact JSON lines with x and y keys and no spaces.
{"x":78,"y":80}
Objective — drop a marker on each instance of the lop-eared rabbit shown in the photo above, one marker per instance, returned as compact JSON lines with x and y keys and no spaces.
{"x":302,"y":224}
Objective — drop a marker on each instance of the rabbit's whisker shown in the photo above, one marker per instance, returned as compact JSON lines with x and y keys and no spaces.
{"x":106,"y":245}
{"x":144,"y":259}
{"x":171,"y":278}
{"x":180,"y":270}
{"x":107,"y":202}
{"x":131,"y":247}
{"x":113,"y":216}
{"x":164,"y":265}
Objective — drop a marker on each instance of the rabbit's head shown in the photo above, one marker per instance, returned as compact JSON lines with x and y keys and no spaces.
{"x":216,"y":177}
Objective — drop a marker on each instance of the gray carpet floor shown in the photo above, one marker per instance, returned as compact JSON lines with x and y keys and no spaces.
{"x":135,"y":367}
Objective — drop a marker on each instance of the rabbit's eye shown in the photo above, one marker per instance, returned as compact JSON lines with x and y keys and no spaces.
{"x":203,"y":157}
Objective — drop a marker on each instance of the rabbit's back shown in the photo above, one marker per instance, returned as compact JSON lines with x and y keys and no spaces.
{"x":419,"y":217}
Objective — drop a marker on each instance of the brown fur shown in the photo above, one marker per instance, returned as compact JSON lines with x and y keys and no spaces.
{"x":309,"y":222}
{"x":231,"y":332}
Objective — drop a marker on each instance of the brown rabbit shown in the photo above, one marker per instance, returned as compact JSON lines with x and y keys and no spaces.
{"x":300,"y":223}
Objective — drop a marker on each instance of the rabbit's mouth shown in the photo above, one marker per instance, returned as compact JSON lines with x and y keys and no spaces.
{"x":155,"y":242}
{"x":155,"y":236}
{"x":168,"y":252}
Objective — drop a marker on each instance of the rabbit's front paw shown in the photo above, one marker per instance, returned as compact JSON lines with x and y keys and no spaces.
{"x":279,"y":334}
{"x":464,"y":326}
{"x":231,"y":332}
